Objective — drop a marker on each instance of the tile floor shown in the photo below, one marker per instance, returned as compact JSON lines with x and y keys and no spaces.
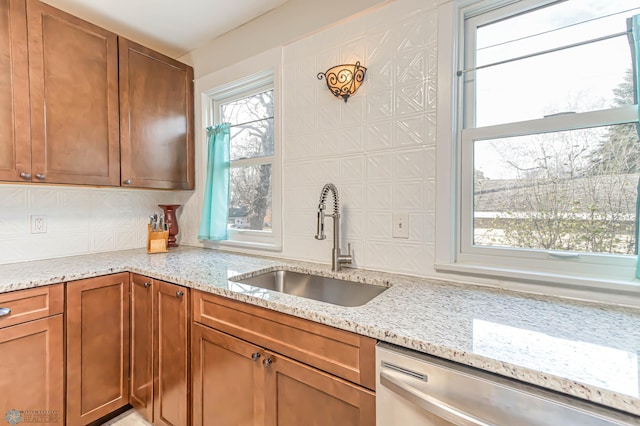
{"x":128,"y":418}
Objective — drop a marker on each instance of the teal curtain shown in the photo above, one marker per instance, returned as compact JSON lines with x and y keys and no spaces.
{"x":633,"y":26}
{"x":215,"y":210}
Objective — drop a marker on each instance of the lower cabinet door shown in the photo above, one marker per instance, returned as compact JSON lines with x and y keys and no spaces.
{"x":297,"y":394}
{"x":97,"y":347}
{"x":32,"y":372}
{"x":171,"y":362}
{"x":142,"y":290}
{"x":228,"y":380}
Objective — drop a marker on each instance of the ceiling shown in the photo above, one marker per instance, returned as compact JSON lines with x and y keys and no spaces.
{"x":174,"y":27}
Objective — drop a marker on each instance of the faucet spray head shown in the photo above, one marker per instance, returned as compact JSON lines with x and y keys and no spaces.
{"x":320,"y":230}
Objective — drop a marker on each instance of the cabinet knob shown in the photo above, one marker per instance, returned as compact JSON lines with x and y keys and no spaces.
{"x":4,"y":312}
{"x":25,"y":176}
{"x":267,"y":362}
{"x":40,"y":176}
{"x":147,"y":284}
{"x":255,"y":356}
{"x":179,"y":293}
{"x":127,"y":182}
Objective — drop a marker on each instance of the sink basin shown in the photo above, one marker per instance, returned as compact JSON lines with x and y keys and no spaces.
{"x":330,"y":290}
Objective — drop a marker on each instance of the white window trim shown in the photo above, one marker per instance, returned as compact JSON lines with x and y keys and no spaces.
{"x":240,"y":89}
{"x":263,"y":71}
{"x":590,"y":283}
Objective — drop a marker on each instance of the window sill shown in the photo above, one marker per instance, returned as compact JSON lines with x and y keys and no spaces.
{"x":243,"y":245}
{"x":597,"y":289}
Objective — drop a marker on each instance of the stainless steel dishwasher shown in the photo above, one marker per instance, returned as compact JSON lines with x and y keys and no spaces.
{"x":417,"y":389}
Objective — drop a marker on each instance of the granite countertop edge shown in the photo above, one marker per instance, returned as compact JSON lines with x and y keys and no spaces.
{"x":339,"y":317}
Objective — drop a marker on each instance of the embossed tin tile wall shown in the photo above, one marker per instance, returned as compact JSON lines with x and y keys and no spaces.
{"x":78,"y":220}
{"x":378,"y":148}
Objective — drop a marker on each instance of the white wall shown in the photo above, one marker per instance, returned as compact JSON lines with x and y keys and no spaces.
{"x":79,"y":220}
{"x":291,"y":21}
{"x":378,"y":148}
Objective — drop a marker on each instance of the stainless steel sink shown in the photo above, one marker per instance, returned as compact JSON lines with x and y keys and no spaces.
{"x":330,"y":290}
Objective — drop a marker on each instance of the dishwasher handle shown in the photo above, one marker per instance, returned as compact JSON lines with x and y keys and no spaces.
{"x":429,"y":403}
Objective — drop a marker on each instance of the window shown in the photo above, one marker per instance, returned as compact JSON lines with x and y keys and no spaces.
{"x":250,"y":108}
{"x":547,"y":154}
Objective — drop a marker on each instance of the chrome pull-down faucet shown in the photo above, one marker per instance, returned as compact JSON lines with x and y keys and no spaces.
{"x":337,"y":258}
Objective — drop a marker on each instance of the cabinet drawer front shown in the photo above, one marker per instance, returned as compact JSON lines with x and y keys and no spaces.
{"x":32,"y":304}
{"x":338,"y":352}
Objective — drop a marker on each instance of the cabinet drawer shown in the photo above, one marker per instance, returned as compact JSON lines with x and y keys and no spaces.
{"x":342,"y":353}
{"x":31,"y":304}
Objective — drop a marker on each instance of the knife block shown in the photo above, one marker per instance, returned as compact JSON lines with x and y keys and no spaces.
{"x":157,"y":241}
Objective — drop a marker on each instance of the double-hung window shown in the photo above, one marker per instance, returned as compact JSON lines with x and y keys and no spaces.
{"x":249,"y":108}
{"x":547,"y":155}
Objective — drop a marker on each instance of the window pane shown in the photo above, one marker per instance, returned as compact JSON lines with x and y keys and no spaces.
{"x":578,"y":79}
{"x":573,"y":190}
{"x":254,"y":107}
{"x":252,"y":139}
{"x":557,"y":25}
{"x":251,"y":121}
{"x":250,"y":198}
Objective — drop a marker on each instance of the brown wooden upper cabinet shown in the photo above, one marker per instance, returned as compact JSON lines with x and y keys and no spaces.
{"x":156,"y":119}
{"x":15,"y":145}
{"x":66,"y":118}
{"x":73,"y":76}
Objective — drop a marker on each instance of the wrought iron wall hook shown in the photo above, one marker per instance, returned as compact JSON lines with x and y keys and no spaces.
{"x":344,"y":80}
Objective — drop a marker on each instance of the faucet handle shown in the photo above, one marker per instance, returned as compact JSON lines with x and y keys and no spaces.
{"x":345,"y":258}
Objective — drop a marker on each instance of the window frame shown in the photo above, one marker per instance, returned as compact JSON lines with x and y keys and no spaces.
{"x":455,"y":252}
{"x":212,"y":99}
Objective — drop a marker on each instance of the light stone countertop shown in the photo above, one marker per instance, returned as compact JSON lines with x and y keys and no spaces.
{"x":586,"y":350}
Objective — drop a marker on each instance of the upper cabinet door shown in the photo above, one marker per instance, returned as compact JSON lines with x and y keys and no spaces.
{"x":156,"y":119}
{"x":15,"y":144}
{"x":73,"y":73}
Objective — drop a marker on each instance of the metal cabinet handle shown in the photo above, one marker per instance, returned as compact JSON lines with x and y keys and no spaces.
{"x":25,"y":176}
{"x":4,"y":312}
{"x":429,"y":403}
{"x":267,"y":362}
{"x":179,"y":293}
{"x":147,"y":284}
{"x":127,"y":182}
{"x":255,"y":356}
{"x":40,"y":176}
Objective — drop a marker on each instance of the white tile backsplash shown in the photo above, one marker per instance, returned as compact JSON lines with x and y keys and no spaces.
{"x":78,"y":220}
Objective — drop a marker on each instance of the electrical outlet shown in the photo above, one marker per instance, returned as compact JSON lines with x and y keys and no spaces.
{"x":38,"y":225}
{"x":400,"y":225}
